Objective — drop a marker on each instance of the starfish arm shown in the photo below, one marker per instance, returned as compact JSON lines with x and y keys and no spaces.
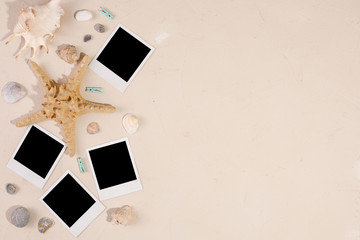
{"x":33,"y":118}
{"x":69,"y":131}
{"x":41,"y":75}
{"x":92,"y":107}
{"x":64,"y":103}
{"x":79,"y":73}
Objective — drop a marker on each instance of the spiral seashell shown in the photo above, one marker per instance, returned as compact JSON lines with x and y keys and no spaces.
{"x":37,"y":25}
{"x":68,"y":53}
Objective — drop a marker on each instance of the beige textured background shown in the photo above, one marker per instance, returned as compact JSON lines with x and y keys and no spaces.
{"x":250,"y":119}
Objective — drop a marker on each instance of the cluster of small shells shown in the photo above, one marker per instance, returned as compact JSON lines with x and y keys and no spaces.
{"x":86,"y":15}
{"x":13,"y":91}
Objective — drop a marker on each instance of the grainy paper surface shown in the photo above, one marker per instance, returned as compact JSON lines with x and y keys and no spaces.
{"x":250,"y":119}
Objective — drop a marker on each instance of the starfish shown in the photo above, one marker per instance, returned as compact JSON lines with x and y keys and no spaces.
{"x":64,"y":104}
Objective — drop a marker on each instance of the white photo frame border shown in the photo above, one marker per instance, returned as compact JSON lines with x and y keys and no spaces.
{"x":26,"y":172}
{"x":120,"y":189}
{"x":83,"y":222}
{"x":109,"y":75}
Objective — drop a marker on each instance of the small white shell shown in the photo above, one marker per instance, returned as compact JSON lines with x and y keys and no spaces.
{"x":130,"y":123}
{"x":83,"y":15}
{"x":13,"y":92}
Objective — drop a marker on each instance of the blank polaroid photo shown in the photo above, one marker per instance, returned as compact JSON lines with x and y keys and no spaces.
{"x":114,"y":169}
{"x":37,"y":155}
{"x":72,"y":203}
{"x":121,"y":57}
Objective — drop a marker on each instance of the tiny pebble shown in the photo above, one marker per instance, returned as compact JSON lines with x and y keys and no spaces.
{"x":13,"y":92}
{"x":44,"y":224}
{"x":99,"y":27}
{"x":10,"y":188}
{"x":93,"y":128}
{"x":87,"y":37}
{"x":20,"y":217}
{"x":83,"y":15}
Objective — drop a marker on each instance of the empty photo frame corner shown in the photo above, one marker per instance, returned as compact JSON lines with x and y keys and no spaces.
{"x":114,"y":169}
{"x":121,"y":57}
{"x":37,"y":155}
{"x":72,"y":203}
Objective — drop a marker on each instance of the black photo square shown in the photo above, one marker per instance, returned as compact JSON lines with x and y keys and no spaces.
{"x":114,"y":169}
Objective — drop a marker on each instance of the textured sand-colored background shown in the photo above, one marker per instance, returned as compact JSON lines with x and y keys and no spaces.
{"x":250,"y":117}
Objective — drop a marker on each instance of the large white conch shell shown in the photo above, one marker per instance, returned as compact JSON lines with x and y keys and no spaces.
{"x":37,"y":24}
